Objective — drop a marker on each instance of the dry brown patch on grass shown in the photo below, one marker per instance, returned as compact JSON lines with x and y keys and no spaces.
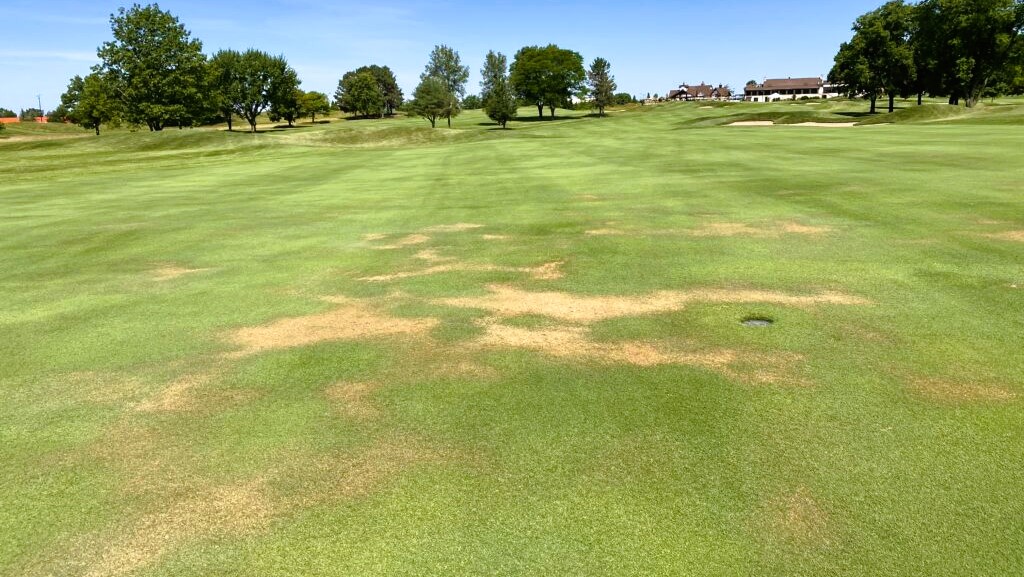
{"x":459,"y":227}
{"x":347,"y":476}
{"x":100,"y":388}
{"x":744,"y":229}
{"x":495,"y":237}
{"x":727,"y":229}
{"x":952,"y":392}
{"x":352,"y":320}
{"x":177,"y":396}
{"x":411,"y":240}
{"x":171,"y":272}
{"x":797,"y":228}
{"x":505,"y":301}
{"x":374,"y":236}
{"x":549,"y":271}
{"x":353,"y":399}
{"x":1012,"y":235}
{"x":573,"y":342}
{"x":431,"y":255}
{"x":798,"y":518}
{"x":605,"y":232}
{"x":222,"y":512}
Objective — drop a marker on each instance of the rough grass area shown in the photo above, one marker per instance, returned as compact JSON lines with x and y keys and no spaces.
{"x":371,"y":348}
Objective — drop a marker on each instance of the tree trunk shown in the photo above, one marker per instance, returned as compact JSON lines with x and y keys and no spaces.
{"x":97,"y":129}
{"x":892,"y":103}
{"x":954,"y":100}
{"x":552,"y":109}
{"x":229,"y":122}
{"x":920,"y":98}
{"x":540,"y":110}
{"x":449,"y":121}
{"x":874,"y":100}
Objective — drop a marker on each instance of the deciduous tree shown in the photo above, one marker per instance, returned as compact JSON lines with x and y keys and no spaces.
{"x":89,"y":102}
{"x":313,"y":103}
{"x":547,"y":76}
{"x":223,"y":83}
{"x":445,"y":63}
{"x":360,"y":93}
{"x":262,"y":81}
{"x":432,"y":99}
{"x":498,"y":97}
{"x":156,"y":68}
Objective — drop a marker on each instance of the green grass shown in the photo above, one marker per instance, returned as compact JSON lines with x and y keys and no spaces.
{"x":889,"y":442}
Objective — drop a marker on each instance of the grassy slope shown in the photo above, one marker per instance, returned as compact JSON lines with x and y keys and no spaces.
{"x":549,"y":466}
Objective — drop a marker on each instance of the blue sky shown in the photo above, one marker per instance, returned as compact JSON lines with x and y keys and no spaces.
{"x":652,"y":45}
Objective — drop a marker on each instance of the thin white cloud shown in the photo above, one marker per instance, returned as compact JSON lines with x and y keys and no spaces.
{"x":48,"y":55}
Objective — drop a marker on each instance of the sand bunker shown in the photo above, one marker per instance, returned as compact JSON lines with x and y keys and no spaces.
{"x":505,"y":301}
{"x":827,"y":124}
{"x":549,"y":271}
{"x":224,"y":511}
{"x":353,"y":320}
{"x":353,"y":399}
{"x":950,"y":392}
{"x":170,"y":272}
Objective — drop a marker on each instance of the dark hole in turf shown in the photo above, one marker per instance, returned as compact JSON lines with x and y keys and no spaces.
{"x":758,"y":322}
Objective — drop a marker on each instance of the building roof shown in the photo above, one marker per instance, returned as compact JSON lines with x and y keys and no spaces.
{"x":789,"y":83}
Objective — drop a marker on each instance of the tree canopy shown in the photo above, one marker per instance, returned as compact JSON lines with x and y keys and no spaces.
{"x":256,"y":82}
{"x":547,"y":76}
{"x":313,"y":103}
{"x":89,"y":102}
{"x":499,"y":100}
{"x":445,"y":63}
{"x":156,"y":69}
{"x":602,"y":84}
{"x":432,"y":99}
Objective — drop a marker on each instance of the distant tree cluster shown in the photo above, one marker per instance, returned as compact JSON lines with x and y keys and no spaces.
{"x":963,"y":49}
{"x":154,"y":73}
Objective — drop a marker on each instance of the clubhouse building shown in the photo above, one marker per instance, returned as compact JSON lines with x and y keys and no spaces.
{"x":700,"y":92}
{"x":775,"y":89}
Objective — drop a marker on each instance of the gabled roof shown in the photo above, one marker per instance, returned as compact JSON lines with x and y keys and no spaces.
{"x":790,"y":83}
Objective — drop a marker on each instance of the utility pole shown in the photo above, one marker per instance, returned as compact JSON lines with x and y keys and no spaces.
{"x":39,"y":101}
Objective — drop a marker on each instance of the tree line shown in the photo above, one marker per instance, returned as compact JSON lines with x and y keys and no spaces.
{"x":960,"y":49}
{"x":154,"y":73}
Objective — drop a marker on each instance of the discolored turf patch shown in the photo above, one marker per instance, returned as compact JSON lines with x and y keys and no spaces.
{"x":458,"y":227}
{"x":352,"y":320}
{"x":548,"y":271}
{"x":495,"y":237}
{"x":952,"y":392}
{"x":506,"y":301}
{"x":411,"y":240}
{"x":796,"y":517}
{"x":325,"y":479}
{"x":573,"y":342}
{"x":171,"y":272}
{"x":727,"y":229}
{"x":221,"y":512}
{"x":352,"y":399}
{"x":1012,"y":235}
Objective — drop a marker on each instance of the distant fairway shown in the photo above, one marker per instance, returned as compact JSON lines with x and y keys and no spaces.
{"x":372,"y":348}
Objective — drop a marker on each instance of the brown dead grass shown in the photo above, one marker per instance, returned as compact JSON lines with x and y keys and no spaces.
{"x":374,"y":236}
{"x":796,"y":517}
{"x":495,"y":237}
{"x":224,"y":511}
{"x":177,"y":396}
{"x":575,"y":343}
{"x":459,"y":227}
{"x":1012,"y":235}
{"x":99,"y":388}
{"x":605,"y":232}
{"x":171,"y":272}
{"x":411,"y":240}
{"x":549,"y":271}
{"x":744,"y":229}
{"x":328,"y":479}
{"x":952,"y":392}
{"x":506,"y":301}
{"x":431,"y":255}
{"x":352,"y":320}
{"x":353,"y":399}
